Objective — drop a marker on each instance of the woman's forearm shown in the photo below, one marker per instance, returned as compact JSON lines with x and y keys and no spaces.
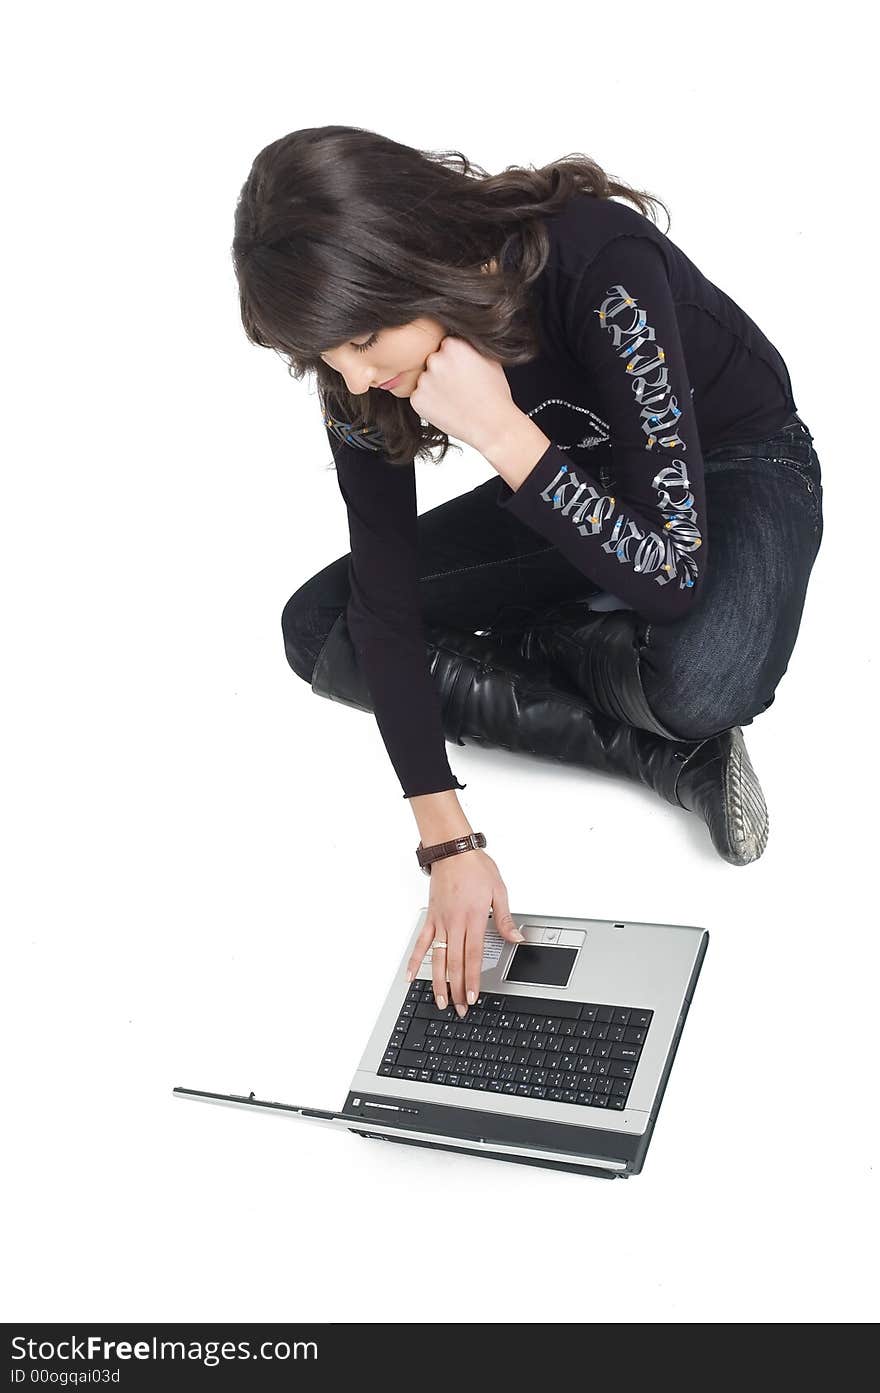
{"x":440,"y":816}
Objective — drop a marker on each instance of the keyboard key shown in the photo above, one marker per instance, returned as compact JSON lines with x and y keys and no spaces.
{"x":410,"y":1059}
{"x":544,"y":1006}
{"x":625,"y":1051}
{"x":619,"y":1069}
{"x":427,"y":1011}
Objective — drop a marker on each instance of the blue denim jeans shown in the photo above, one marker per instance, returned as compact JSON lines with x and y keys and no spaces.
{"x":718,"y":666}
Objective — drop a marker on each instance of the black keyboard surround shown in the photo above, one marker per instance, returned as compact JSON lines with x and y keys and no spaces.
{"x":532,"y":1047}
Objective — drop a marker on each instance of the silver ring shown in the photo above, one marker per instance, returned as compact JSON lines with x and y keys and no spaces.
{"x":438,"y":945}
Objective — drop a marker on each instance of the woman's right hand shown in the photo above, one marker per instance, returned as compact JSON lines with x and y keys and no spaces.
{"x":463,"y":889}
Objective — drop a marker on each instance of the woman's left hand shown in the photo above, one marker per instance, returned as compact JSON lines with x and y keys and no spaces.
{"x":464,"y":394}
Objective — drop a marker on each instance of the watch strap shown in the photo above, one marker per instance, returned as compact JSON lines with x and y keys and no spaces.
{"x":427,"y":855}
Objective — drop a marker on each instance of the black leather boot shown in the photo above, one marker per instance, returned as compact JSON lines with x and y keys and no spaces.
{"x":495,"y":696}
{"x":600,"y":652}
{"x":719,"y":783}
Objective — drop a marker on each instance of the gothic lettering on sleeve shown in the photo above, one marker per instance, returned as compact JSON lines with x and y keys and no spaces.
{"x":665,"y":554}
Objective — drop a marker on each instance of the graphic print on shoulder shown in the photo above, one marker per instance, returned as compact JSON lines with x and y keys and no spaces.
{"x":363,"y":437}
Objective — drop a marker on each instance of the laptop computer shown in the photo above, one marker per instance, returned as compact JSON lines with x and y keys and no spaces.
{"x":562,"y":1062}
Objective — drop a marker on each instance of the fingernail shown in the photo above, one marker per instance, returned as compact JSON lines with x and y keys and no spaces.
{"x":441,"y":1002}
{"x":409,"y":976}
{"x":472,"y":996}
{"x":461,"y":1010}
{"x":519,"y":935}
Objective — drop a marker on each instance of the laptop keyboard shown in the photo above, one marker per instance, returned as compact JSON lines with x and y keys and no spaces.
{"x":562,"y":1051}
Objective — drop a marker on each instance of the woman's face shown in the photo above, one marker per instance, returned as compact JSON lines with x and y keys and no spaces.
{"x":403,"y":350}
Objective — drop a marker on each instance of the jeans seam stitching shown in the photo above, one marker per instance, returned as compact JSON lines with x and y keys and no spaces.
{"x":481,"y":565}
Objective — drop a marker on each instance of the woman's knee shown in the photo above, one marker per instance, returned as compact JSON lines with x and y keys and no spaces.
{"x":310,"y":614}
{"x":698,"y":693}
{"x":305,"y":627}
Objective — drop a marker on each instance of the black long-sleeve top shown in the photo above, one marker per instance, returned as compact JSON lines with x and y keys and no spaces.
{"x":644,"y":363}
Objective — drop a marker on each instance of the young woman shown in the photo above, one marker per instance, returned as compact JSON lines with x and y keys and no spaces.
{"x":626,"y":591}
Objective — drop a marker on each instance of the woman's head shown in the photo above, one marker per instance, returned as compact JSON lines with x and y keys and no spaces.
{"x":355,"y":256}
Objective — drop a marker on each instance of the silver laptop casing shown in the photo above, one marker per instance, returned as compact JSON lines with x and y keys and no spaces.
{"x":618,"y":963}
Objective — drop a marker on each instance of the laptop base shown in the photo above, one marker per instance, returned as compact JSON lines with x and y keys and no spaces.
{"x":499,"y":1150}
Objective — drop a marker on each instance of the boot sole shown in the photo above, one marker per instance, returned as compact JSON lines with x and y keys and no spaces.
{"x":747,"y":815}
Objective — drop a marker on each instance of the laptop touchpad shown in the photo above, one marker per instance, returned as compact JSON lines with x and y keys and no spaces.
{"x":541,"y":966}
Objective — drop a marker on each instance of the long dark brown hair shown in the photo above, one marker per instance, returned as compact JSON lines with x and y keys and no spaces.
{"x":341,"y":232}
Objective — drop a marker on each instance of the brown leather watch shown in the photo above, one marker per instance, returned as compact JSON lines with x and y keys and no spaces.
{"x":428,"y":854}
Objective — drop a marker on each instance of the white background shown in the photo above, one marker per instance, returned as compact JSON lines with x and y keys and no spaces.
{"x":203,"y":859}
